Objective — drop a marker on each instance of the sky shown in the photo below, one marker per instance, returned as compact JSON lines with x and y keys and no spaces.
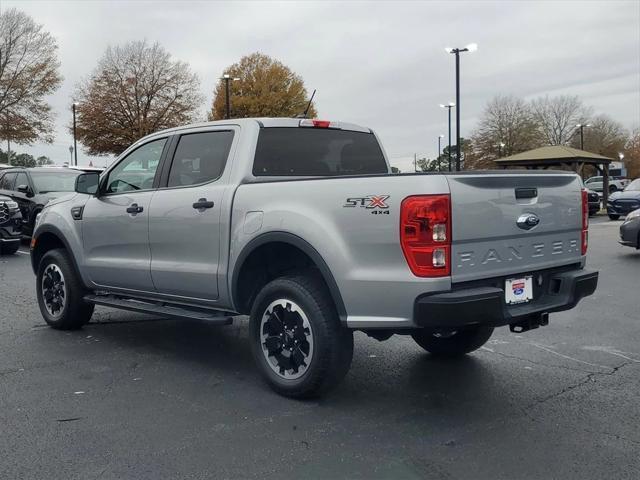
{"x":378,"y":64}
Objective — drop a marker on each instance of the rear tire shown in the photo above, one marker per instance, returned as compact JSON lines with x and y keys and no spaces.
{"x":297,"y":341}
{"x":60,"y":292}
{"x":463,"y":341}
{"x":9,"y":248}
{"x":614,"y":217}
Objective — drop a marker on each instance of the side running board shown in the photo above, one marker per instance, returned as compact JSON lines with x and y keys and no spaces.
{"x":159,"y":308}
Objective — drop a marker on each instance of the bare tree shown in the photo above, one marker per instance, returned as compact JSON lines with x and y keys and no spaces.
{"x":632,"y":154}
{"x":507,"y":126}
{"x":557,"y":117}
{"x":604,"y":136}
{"x":136,"y":89}
{"x":266,"y":88}
{"x":28,"y":73}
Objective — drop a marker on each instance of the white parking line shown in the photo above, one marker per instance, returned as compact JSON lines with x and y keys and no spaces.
{"x":22,"y":253}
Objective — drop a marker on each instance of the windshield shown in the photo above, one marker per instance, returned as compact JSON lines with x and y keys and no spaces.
{"x":633,"y":186}
{"x":55,"y":181}
{"x":317,"y":152}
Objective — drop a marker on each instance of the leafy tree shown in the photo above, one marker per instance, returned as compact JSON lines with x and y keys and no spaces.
{"x":42,"y":160}
{"x":266,"y":88}
{"x":28,"y":73}
{"x":427,"y":165}
{"x":23,"y":160}
{"x":557,"y":117}
{"x":135,"y":90}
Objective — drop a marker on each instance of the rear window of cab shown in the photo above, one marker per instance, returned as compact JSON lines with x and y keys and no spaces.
{"x":283,"y":151}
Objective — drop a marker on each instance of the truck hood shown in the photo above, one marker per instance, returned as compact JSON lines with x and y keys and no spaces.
{"x":57,"y":197}
{"x":627,"y":194}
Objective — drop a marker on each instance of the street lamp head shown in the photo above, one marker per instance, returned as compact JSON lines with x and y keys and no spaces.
{"x":441,"y":135}
{"x":449,"y":49}
{"x":442,"y":105}
{"x":502,"y":144}
{"x":226,"y":75}
{"x":620,"y":156}
{"x":452,"y":104}
{"x":472,"y":47}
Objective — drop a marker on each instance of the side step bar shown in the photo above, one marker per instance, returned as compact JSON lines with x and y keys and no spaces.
{"x":159,"y":308}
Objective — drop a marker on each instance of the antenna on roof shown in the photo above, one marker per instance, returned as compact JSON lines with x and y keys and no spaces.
{"x":306,"y":110}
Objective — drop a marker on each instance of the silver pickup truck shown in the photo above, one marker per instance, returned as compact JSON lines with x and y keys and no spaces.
{"x":299,"y":224}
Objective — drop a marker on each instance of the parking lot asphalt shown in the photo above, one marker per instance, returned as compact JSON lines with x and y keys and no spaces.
{"x":132,"y":396}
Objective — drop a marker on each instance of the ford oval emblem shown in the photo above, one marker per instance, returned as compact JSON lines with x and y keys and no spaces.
{"x":527,"y":221}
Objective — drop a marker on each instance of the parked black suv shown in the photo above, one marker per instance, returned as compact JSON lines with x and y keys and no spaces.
{"x":10,"y":225}
{"x":32,"y":188}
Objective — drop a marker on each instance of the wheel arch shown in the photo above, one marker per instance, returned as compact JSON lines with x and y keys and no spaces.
{"x":295,"y":242}
{"x":50,"y":237}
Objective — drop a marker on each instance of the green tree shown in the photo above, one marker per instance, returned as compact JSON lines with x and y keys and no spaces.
{"x":23,"y":160}
{"x":266,"y":88}
{"x":42,"y":160}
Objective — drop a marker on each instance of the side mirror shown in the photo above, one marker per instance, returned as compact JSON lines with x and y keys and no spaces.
{"x":87,"y":183}
{"x":23,"y":189}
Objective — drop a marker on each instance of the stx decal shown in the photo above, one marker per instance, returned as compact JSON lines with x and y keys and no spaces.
{"x":370,"y":202}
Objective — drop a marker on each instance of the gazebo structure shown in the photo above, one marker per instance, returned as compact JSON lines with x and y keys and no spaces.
{"x":561,"y":155}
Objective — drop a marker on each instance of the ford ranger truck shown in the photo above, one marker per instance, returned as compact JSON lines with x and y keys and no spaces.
{"x":300,"y":225}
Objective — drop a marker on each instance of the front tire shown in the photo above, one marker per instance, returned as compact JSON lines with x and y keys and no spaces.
{"x":297,"y":341}
{"x":455,"y":344}
{"x":614,"y":216}
{"x":60,"y":292}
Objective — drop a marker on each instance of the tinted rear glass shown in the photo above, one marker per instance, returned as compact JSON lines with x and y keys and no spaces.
{"x":316,"y":152}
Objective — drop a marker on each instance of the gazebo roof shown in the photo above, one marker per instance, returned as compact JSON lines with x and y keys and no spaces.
{"x":553,"y":154}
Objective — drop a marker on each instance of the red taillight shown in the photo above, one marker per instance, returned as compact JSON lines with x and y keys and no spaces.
{"x":585,"y":222}
{"x":425,"y":234}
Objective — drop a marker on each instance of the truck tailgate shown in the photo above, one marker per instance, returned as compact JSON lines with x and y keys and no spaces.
{"x":507,"y":223}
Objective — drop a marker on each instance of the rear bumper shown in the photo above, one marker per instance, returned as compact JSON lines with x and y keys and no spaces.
{"x":553,"y":292}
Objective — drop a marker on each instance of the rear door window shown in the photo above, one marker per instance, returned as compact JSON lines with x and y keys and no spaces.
{"x":200,"y":158}
{"x":317,"y":152}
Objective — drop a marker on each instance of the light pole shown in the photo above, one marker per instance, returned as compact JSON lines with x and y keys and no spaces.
{"x":440,"y":137}
{"x":75,"y":146}
{"x":71,"y":149}
{"x":582,"y":127}
{"x":500,"y":147}
{"x":228,"y":78}
{"x":472,"y":47}
{"x":449,"y":107}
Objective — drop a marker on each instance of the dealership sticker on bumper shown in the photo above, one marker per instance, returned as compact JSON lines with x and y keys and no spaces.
{"x":518,"y":290}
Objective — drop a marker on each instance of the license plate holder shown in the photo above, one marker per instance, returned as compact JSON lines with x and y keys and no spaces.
{"x":518,"y":290}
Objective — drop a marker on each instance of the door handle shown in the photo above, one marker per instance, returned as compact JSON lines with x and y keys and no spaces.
{"x":134,"y":208}
{"x":202,"y":203}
